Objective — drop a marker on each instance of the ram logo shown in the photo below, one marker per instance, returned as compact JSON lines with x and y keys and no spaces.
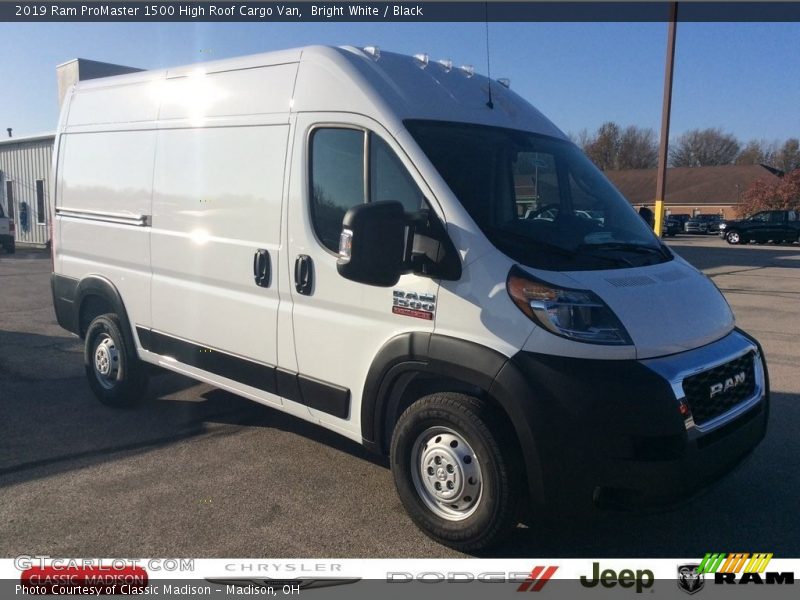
{"x":730,"y":383}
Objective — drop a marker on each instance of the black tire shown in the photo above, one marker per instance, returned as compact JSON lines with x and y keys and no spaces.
{"x":11,"y":247}
{"x":125,"y":381}
{"x":734,"y":237}
{"x":495,"y":509}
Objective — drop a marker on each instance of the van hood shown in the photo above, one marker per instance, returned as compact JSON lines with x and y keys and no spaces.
{"x":667,"y":308}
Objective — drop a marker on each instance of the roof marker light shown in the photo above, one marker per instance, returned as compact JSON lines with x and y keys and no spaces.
{"x":505,"y":82}
{"x":422,"y":59}
{"x":447,"y":64}
{"x":373,"y":51}
{"x":469,"y":70}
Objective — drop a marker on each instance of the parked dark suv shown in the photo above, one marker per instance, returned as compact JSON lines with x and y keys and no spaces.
{"x":6,"y":232}
{"x":712,"y":222}
{"x":671,"y":227}
{"x":777,"y":225}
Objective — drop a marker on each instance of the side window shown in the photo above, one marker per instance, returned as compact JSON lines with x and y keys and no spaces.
{"x":337,"y":180}
{"x":388,"y":178}
{"x":762,"y":217}
{"x":10,"y":199}
{"x":776,"y":216}
{"x":40,"y":210}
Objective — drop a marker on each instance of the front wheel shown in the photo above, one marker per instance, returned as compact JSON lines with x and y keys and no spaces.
{"x":457,"y":470}
{"x":733,"y":237}
{"x":116,"y":375}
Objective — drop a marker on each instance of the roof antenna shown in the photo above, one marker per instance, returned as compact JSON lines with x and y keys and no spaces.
{"x":490,"y":104}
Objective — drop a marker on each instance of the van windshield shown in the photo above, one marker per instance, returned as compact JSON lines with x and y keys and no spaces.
{"x":538,"y":199}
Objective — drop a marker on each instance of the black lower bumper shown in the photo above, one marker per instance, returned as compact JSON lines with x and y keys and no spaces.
{"x":615,"y":433}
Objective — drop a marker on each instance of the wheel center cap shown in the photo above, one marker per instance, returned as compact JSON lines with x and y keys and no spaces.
{"x":101,"y":360}
{"x":441,"y":474}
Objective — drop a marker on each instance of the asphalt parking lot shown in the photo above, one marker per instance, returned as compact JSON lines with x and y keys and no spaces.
{"x":198,"y":472}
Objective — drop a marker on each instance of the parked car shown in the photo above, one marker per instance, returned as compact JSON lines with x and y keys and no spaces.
{"x":778,"y":226}
{"x":7,"y":233}
{"x":680,"y":218}
{"x":695,"y":225}
{"x":671,"y":227}
{"x":332,"y":233}
{"x":712,"y":222}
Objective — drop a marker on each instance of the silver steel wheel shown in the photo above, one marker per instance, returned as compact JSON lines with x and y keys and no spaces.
{"x":106,"y":361}
{"x":733,"y":237}
{"x":446,"y":473}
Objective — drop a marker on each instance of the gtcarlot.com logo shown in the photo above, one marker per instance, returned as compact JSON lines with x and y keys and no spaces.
{"x":742,"y":568}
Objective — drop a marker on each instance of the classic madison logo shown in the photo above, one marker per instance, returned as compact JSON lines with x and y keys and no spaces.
{"x":689,"y":580}
{"x":751,"y":568}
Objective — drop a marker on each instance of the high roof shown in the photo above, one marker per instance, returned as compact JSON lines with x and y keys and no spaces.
{"x":384,"y":85}
{"x":722,"y":184}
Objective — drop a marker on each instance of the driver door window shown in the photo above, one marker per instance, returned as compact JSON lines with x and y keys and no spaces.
{"x":338,"y":180}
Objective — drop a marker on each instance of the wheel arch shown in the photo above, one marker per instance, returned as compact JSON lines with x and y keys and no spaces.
{"x":412,"y":365}
{"x":93,"y":295}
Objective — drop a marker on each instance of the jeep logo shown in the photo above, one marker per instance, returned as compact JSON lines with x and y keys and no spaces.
{"x":728,"y":384}
{"x":641,"y":579}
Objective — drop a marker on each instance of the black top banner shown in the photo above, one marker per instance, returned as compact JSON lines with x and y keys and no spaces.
{"x":293,"y":12}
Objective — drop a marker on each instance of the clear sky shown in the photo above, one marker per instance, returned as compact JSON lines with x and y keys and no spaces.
{"x":742,"y":77}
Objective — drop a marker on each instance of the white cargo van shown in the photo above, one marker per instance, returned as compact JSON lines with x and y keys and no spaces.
{"x":411,"y":255}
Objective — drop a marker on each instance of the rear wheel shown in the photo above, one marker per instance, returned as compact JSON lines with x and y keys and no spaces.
{"x":457,"y":470}
{"x":11,"y":247}
{"x":116,"y":375}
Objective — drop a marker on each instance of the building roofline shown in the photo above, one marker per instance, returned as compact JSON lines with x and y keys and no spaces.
{"x":27,"y":138}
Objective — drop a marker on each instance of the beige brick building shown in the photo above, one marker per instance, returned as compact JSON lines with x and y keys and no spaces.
{"x":692,"y":190}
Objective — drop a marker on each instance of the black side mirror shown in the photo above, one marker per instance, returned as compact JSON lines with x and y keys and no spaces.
{"x":372,"y":248}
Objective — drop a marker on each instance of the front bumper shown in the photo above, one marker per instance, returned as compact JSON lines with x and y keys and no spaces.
{"x":613,"y":434}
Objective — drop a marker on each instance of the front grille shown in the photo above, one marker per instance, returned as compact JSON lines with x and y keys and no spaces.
{"x":726,"y":385}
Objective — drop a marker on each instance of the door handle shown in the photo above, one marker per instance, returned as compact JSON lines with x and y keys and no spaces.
{"x":304,"y":274}
{"x":261,"y":268}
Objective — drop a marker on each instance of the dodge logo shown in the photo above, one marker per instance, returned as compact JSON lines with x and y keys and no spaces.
{"x":728,"y":384}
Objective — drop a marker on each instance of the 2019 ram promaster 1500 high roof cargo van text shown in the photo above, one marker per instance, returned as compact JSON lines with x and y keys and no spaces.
{"x":411,"y":255}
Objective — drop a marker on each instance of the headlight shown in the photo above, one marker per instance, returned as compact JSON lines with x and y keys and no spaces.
{"x":722,"y":226}
{"x":579,"y":315}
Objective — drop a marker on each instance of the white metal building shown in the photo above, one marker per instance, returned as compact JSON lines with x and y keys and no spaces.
{"x":24,"y":185}
{"x":25,"y":161}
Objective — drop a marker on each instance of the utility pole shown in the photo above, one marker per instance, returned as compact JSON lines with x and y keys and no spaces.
{"x":663,"y":148}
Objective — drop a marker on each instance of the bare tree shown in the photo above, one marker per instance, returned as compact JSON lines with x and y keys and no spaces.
{"x":787,"y":159}
{"x":603,"y":147}
{"x":638,"y":149}
{"x":613,"y":148}
{"x":704,"y":147}
{"x":757,"y":152}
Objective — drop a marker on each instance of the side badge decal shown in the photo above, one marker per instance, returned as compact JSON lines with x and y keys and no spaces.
{"x":412,"y":304}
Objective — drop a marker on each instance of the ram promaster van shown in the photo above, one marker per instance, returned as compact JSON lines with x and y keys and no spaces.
{"x":411,"y":255}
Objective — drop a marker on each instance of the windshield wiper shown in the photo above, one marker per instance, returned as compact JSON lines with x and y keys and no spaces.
{"x":628,"y":247}
{"x":556,"y":249}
